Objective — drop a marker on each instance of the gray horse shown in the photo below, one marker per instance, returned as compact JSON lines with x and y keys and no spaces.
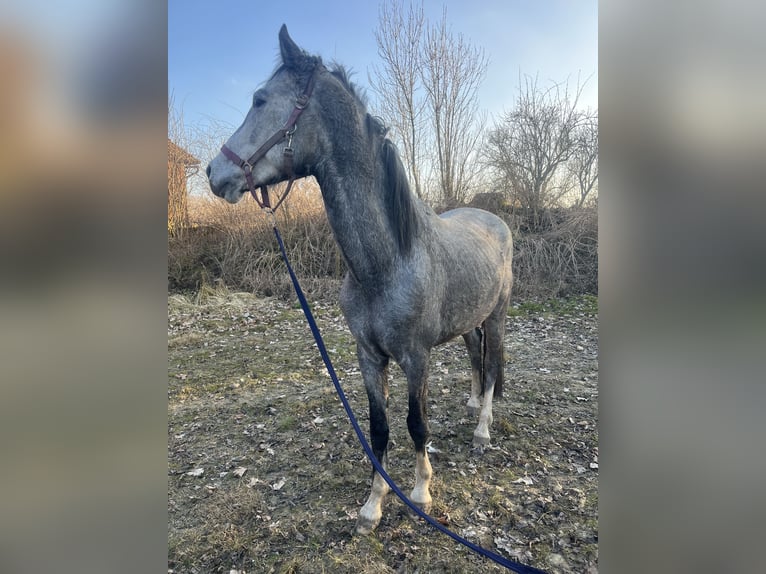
{"x":415,"y":279}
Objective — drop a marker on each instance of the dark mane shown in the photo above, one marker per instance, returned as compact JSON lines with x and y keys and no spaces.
{"x":344,"y":76}
{"x":401,"y":206}
{"x":302,"y":67}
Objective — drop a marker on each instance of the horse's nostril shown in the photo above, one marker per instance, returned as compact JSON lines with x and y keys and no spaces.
{"x":207,"y":171}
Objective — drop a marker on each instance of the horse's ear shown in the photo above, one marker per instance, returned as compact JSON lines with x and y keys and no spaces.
{"x":292,"y":55}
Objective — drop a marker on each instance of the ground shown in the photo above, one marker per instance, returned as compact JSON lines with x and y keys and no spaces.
{"x":266,"y":474}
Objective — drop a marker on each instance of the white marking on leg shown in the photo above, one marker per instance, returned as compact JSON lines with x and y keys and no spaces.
{"x":481,"y":434}
{"x":420,"y":494}
{"x":371,"y":512}
{"x":474,"y":403}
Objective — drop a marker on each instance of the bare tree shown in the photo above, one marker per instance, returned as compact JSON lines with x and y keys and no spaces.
{"x":530,"y":143}
{"x":398,"y":37}
{"x":583,"y":165}
{"x":427,"y":91}
{"x":452,"y":71}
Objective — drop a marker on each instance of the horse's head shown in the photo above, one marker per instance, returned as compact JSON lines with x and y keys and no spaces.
{"x":273,"y":106}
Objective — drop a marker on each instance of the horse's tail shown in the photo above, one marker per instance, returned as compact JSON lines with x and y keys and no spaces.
{"x":498,"y":392}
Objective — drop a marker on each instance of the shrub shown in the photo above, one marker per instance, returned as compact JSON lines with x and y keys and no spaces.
{"x":234,"y":246}
{"x":558,"y":257}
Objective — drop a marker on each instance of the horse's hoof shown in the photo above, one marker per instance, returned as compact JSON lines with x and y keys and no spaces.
{"x":473,"y":411}
{"x":425,"y":507}
{"x":365,"y":526}
{"x":479,"y":440}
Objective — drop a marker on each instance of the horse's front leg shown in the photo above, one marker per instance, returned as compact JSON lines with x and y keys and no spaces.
{"x":374,"y":369}
{"x":416,"y":369}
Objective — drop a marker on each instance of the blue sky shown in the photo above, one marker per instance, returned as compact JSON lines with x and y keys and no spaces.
{"x":219,"y":52}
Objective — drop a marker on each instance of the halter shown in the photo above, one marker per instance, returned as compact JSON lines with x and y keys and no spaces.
{"x":285,"y":131}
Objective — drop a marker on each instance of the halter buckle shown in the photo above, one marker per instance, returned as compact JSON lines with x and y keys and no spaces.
{"x":289,"y":133}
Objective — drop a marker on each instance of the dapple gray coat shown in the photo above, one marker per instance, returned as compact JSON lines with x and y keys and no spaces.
{"x":414,"y":280}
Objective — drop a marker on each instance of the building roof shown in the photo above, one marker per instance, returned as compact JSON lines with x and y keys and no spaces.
{"x":177,"y":154}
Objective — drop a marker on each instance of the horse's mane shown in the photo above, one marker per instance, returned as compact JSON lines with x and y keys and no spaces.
{"x":400,"y":203}
{"x":401,"y":206}
{"x":344,"y":77}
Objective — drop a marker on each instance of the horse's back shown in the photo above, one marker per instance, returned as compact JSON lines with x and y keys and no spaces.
{"x":470,"y":228}
{"x":471,"y":218}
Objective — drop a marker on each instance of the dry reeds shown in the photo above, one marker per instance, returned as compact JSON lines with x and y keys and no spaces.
{"x":233,"y":246}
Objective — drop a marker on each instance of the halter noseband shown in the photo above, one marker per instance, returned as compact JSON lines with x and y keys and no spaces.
{"x":285,"y":131}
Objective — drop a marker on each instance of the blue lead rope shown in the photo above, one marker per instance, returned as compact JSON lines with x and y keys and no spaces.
{"x":503,"y":561}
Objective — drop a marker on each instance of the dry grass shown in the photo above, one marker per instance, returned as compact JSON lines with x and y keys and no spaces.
{"x":282,"y":475}
{"x":559,"y":260}
{"x":234,"y":246}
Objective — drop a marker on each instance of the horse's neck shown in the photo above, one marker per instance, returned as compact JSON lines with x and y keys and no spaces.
{"x":356,"y":213}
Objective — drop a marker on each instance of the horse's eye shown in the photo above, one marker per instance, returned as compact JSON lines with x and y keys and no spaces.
{"x":258,"y":101}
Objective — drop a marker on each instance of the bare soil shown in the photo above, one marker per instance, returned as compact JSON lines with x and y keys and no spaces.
{"x":265,"y":473}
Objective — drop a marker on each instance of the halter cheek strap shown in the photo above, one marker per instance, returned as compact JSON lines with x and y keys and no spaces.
{"x":285,"y":132}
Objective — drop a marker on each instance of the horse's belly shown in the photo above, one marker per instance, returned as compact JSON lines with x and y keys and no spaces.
{"x":463,"y":321}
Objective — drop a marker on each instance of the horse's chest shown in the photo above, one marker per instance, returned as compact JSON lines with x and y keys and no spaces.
{"x":376,"y":323}
{"x":384,"y":323}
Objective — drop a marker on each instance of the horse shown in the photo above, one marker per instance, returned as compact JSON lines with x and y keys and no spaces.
{"x":415,"y":279}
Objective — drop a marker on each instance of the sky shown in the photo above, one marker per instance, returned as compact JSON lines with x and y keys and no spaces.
{"x":220,"y":52}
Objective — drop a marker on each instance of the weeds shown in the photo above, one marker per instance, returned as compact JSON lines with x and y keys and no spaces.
{"x":233,"y":246}
{"x":284,"y":477}
{"x":578,"y":305}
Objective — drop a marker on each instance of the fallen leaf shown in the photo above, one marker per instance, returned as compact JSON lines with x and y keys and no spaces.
{"x":239,"y":471}
{"x":524,"y":480}
{"x":279,"y":484}
{"x":509,"y":544}
{"x":196,"y":472}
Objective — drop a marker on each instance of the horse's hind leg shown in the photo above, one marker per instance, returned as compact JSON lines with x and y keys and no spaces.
{"x":473,"y":340}
{"x":494,"y":330}
{"x":375,"y":374}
